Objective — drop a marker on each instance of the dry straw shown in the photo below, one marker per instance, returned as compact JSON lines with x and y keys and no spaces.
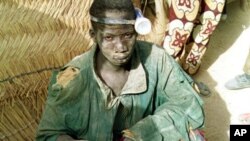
{"x":37,"y":36}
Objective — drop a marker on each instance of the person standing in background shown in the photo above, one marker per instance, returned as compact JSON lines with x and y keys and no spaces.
{"x":191,"y":23}
{"x":243,"y":80}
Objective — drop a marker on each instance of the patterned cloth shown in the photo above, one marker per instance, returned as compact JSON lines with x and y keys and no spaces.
{"x":157,"y":102}
{"x":191,"y":23}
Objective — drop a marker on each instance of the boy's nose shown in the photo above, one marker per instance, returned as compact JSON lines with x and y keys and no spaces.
{"x":119,"y":47}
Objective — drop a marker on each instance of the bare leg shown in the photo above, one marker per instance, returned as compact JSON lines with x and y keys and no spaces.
{"x":245,"y":4}
{"x":247,"y":64}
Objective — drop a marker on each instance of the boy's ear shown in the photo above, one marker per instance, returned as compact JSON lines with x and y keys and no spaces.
{"x":92,"y":33}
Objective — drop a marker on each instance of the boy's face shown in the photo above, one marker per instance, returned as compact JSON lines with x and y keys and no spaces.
{"x":116,"y":42}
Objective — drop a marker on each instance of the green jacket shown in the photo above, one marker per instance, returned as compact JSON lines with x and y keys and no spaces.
{"x":157,"y":102}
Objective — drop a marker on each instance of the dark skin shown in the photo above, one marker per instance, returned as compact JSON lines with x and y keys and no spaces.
{"x":113,"y":59}
{"x":116,"y":46}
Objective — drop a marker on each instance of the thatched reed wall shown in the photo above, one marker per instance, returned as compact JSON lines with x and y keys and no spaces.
{"x":37,"y":36}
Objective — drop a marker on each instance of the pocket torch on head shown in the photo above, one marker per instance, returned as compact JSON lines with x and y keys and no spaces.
{"x":141,"y":24}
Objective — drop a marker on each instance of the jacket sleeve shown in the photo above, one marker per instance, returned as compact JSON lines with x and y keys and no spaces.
{"x":179,"y":107}
{"x":53,"y":121}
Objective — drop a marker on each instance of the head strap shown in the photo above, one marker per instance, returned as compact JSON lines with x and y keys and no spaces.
{"x":111,"y":20}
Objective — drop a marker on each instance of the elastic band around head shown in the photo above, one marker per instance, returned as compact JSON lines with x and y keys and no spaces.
{"x":111,"y":20}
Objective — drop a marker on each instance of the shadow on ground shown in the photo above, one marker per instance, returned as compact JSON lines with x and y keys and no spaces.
{"x":216,"y":110}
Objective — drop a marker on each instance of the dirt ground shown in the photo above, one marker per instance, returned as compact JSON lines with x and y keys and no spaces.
{"x":224,"y":59}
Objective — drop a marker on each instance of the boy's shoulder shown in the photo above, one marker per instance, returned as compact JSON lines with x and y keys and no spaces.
{"x":71,"y":70}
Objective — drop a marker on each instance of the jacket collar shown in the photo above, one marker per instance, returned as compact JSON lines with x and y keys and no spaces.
{"x":136,"y":82}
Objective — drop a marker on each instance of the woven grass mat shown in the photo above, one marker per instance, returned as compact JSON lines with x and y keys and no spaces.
{"x":36,"y":36}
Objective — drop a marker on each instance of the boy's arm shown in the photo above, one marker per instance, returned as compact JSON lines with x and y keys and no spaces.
{"x":179,"y":107}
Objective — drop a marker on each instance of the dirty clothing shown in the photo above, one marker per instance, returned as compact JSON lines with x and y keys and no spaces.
{"x":156,"y":103}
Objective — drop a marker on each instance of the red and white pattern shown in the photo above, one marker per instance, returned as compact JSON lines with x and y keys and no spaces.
{"x":191,"y":23}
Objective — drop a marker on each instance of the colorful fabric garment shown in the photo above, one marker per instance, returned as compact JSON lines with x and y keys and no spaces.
{"x":156,"y":103}
{"x":191,"y":23}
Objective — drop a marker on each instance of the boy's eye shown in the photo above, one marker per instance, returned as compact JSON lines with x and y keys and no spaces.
{"x":128,"y":35}
{"x":108,"y":38}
